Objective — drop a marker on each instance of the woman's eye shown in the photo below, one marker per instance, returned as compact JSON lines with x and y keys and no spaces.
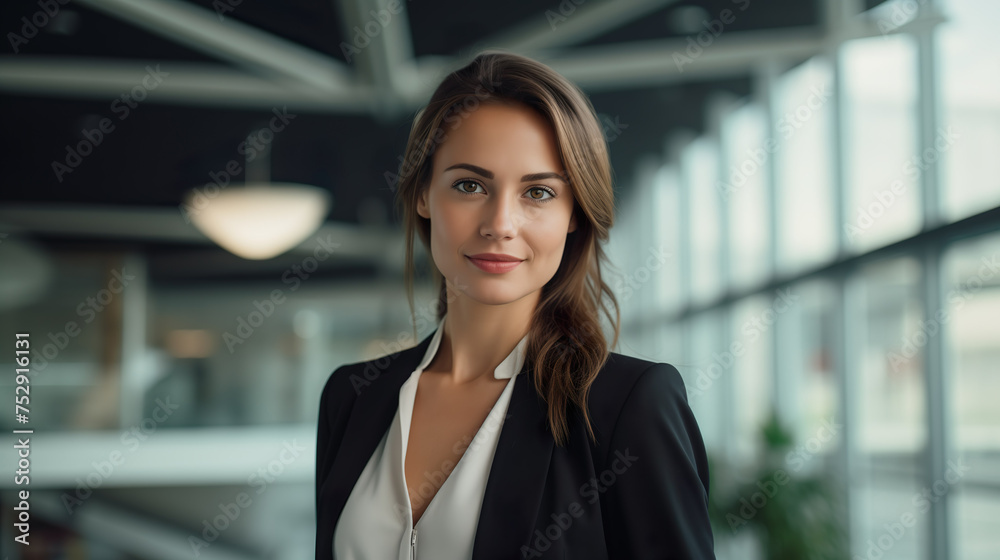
{"x":461,"y":188}
{"x":539,"y":193}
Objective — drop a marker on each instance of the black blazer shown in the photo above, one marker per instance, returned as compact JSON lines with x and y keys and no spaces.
{"x":640,"y":492}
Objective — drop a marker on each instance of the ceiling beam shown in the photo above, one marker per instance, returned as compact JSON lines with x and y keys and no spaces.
{"x":552,"y":30}
{"x":227,"y":39}
{"x":384,"y":58}
{"x":594,"y":68}
{"x":657,"y":62}
{"x":183,"y":83}
{"x":558,"y":29}
{"x":165,"y":225}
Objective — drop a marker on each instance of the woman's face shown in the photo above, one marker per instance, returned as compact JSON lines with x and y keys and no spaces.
{"x":498,"y":186}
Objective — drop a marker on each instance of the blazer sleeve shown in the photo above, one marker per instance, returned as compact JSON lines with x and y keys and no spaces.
{"x":335,"y":404}
{"x":657,"y":505}
{"x":323,"y":450}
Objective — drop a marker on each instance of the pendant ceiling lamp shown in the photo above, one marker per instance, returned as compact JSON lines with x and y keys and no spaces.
{"x":259,"y":219}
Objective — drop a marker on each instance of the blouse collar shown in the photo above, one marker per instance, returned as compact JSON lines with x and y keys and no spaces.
{"x":509,"y":367}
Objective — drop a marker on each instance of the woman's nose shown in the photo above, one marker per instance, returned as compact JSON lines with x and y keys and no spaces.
{"x":502,"y":217}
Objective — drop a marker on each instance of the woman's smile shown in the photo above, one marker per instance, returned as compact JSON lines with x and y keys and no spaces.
{"x":494,"y":266}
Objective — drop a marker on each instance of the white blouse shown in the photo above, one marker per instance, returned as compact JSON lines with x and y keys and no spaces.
{"x":377,"y":522}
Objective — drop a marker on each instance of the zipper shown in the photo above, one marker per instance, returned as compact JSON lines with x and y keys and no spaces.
{"x":413,"y":544}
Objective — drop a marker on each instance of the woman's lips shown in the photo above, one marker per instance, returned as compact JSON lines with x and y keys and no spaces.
{"x":494,"y":267}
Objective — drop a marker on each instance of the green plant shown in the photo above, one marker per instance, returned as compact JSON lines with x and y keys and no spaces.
{"x":795,"y":517}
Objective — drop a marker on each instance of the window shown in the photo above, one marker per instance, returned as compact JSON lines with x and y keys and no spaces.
{"x":750,"y":357}
{"x":744,"y":188}
{"x":700,"y":164}
{"x":880,"y":141}
{"x":968,"y":140}
{"x":707,"y":379}
{"x":889,"y":412}
{"x":806,"y":232}
{"x":666,"y":205}
{"x":972,"y":303}
{"x":809,"y":383}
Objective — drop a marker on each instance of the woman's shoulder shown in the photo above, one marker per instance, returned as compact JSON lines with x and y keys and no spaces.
{"x":621,"y":374}
{"x":640,"y":383}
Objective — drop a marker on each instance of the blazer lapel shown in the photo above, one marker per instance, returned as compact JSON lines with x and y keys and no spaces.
{"x":517,"y":476}
{"x":373,"y":411}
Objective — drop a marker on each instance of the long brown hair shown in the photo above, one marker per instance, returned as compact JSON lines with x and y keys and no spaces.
{"x":566,"y":343}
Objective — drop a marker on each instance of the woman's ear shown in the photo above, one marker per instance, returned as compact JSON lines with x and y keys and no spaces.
{"x":423,"y":208}
{"x":572,"y":223}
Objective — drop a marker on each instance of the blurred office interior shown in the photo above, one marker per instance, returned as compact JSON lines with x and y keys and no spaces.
{"x":808,"y":229}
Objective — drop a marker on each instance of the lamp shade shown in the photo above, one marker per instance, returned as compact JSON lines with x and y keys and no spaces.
{"x":260,"y":221}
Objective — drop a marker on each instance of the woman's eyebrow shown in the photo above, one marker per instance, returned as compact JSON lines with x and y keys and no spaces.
{"x":489,"y":174}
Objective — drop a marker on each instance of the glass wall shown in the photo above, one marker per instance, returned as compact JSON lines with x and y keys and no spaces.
{"x":699,"y":173}
{"x":971,"y":306}
{"x":874,"y":338}
{"x":890,"y":409}
{"x":880,"y":140}
{"x":806,"y":232}
{"x":968,"y":49}
{"x":743,"y":190}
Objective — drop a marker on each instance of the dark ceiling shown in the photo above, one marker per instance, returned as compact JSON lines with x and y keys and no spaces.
{"x":163,"y":148}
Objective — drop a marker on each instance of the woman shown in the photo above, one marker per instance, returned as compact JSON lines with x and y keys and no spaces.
{"x":567,"y":450}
